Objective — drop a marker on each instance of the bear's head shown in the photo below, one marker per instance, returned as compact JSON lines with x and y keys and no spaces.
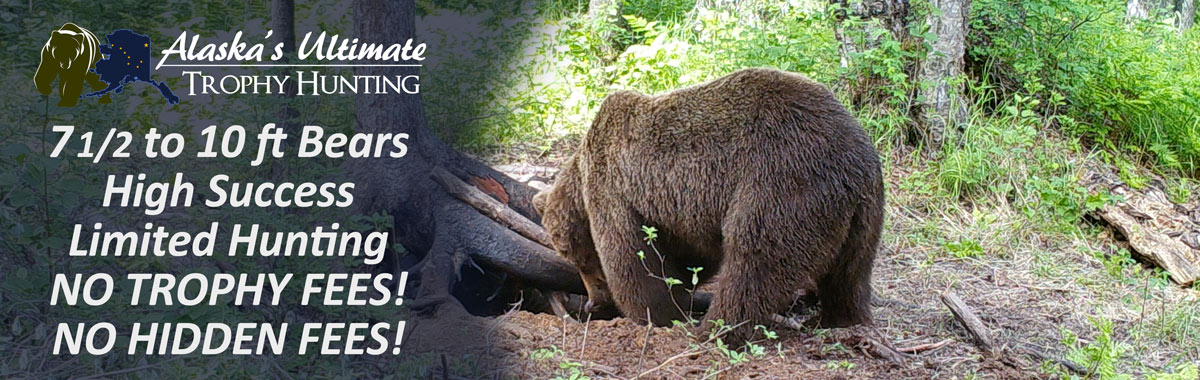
{"x":567,"y":223}
{"x":70,"y":46}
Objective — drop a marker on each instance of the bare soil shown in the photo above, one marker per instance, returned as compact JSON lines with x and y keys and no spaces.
{"x":622,"y":349}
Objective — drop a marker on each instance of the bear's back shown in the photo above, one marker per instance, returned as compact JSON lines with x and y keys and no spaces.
{"x":682,"y":158}
{"x":762,"y":118}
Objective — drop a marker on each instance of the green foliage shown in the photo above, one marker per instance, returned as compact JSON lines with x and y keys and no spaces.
{"x":882,"y":70}
{"x":661,"y":10}
{"x":719,"y":328}
{"x":840,"y":364}
{"x":1102,"y":355}
{"x":1184,"y":372}
{"x":964,"y":248}
{"x":651,"y":234}
{"x":753,"y":348}
{"x":568,"y":369}
{"x":1176,"y":323}
{"x":1117,"y":263}
{"x":1179,"y":191}
{"x":542,"y":77}
{"x":1130,"y":87}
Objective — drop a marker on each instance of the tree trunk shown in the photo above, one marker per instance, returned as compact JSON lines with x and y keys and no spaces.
{"x":607,"y":14}
{"x":745,"y":11}
{"x":428,"y":222}
{"x":1137,"y":9}
{"x":1187,"y":14}
{"x":283,"y":30}
{"x":941,"y":72}
{"x":887,"y":14}
{"x":604,"y":8}
{"x":855,"y":21}
{"x":1145,"y":9}
{"x":283,"y":24}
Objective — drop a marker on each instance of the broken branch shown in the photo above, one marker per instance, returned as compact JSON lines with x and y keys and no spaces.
{"x":1038,"y":354}
{"x":876,"y":343}
{"x":969,"y":321}
{"x":790,"y":323}
{"x":924,"y":347}
{"x":558,"y":305}
{"x":975,"y":327}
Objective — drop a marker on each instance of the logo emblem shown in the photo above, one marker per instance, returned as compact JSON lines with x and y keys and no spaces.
{"x":75,"y":56}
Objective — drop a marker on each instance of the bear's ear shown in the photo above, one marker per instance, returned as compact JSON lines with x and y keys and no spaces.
{"x":539,"y":201}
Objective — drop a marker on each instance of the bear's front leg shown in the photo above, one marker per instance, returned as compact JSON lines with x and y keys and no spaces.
{"x":69,"y":91}
{"x":46,"y":72}
{"x":637,"y":282}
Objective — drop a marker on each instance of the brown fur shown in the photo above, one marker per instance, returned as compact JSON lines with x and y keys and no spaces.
{"x":762,"y":174}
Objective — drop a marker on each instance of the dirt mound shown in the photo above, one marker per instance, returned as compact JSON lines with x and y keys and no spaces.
{"x":544,"y":346}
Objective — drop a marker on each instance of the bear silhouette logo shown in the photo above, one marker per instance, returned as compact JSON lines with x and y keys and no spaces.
{"x":74,"y":56}
{"x":69,"y":55}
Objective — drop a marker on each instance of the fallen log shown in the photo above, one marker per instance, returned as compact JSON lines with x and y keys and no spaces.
{"x":1158,"y":230}
{"x":1172,"y":255}
{"x":881,"y":346}
{"x":460,"y":230}
{"x":506,"y":250}
{"x":490,"y":207}
{"x":537,"y":263}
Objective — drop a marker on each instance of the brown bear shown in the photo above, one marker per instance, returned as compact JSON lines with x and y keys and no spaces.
{"x":762,"y":176}
{"x":68,"y":55}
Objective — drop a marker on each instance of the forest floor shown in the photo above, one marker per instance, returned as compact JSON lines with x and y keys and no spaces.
{"x":1072,"y":297}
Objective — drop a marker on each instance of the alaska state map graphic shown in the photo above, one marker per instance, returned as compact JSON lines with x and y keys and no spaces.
{"x":127,"y":60}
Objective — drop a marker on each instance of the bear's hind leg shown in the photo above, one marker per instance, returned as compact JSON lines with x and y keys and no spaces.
{"x":769,"y":254}
{"x":845,"y":291}
{"x":632,"y":279}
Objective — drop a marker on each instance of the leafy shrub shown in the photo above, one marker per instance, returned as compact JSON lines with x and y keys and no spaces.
{"x":1132,"y":87}
{"x":1101,"y":357}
